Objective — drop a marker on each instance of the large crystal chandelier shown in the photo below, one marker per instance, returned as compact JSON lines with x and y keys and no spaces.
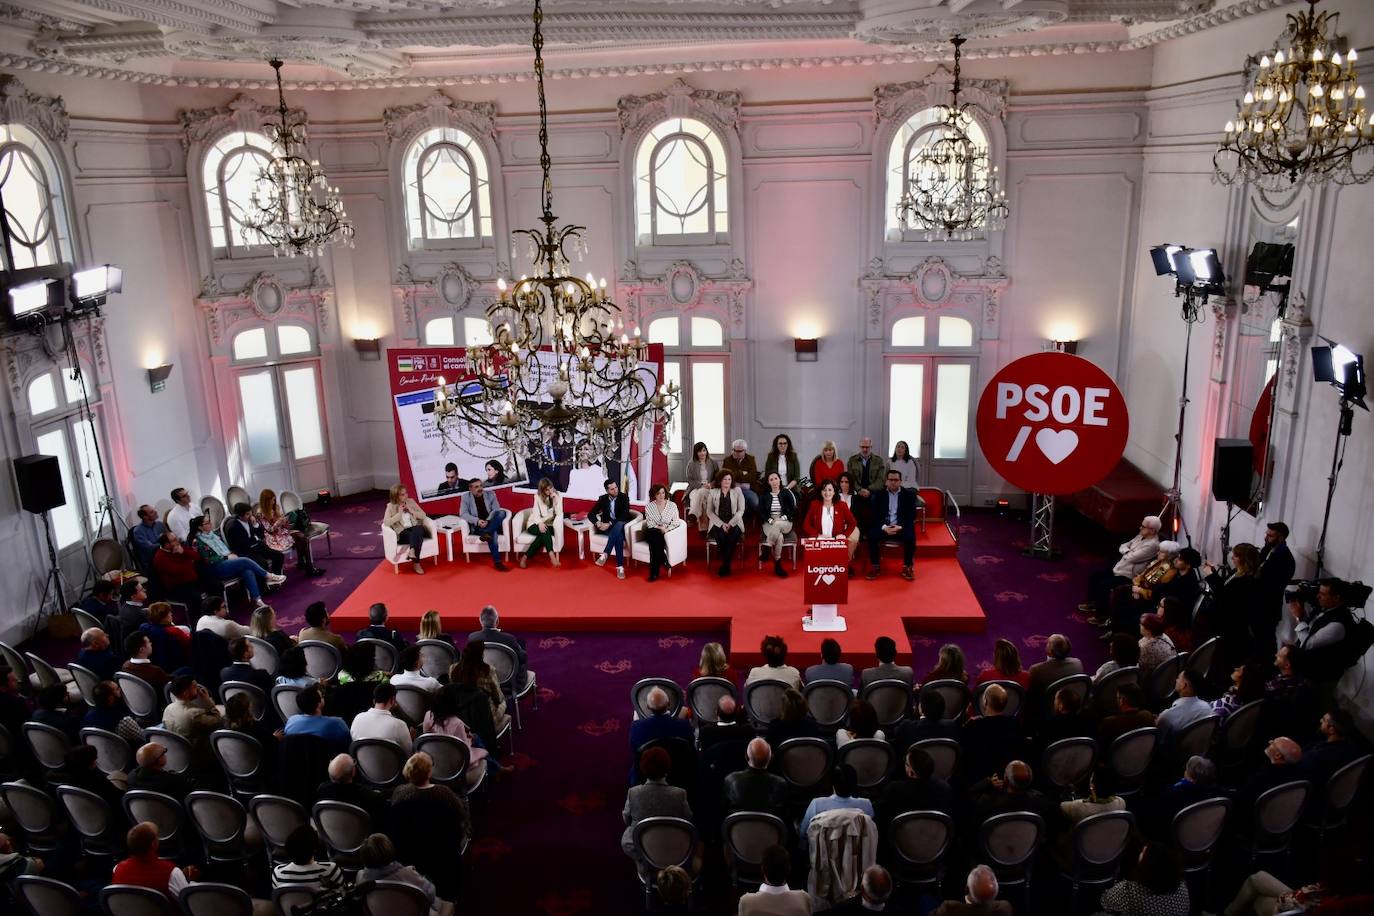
{"x":952,"y":190}
{"x":1303,"y":115}
{"x":561,"y":360}
{"x":292,"y":207}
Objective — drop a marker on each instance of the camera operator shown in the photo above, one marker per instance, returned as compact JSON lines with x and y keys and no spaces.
{"x":1321,"y":623}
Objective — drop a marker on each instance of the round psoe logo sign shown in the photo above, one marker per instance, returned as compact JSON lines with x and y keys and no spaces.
{"x":1052,"y":423}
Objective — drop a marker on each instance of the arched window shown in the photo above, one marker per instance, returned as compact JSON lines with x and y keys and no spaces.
{"x":930,"y":375}
{"x":680,"y":184}
{"x":920,"y":131}
{"x":63,"y":429}
{"x":271,"y":342}
{"x":694,"y":362}
{"x":34,"y":206}
{"x":230,"y":174}
{"x":440,"y":332}
{"x":447,"y":190}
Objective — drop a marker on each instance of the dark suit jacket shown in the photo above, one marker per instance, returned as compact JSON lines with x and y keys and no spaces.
{"x":913,"y":730}
{"x":604,"y":511}
{"x":755,"y":790}
{"x":711,"y":734}
{"x":242,"y":671}
{"x":1266,"y":777}
{"x":1045,"y":673}
{"x":1324,"y":758}
{"x":384,"y":633}
{"x":242,"y":542}
{"x":903,"y":795}
{"x":989,"y":743}
{"x":1114,"y":727}
{"x":961,"y":908}
{"x":350,"y":793}
{"x":643,"y":731}
{"x":1159,"y":813}
{"x":515,"y":643}
{"x":176,"y":785}
{"x":1277,"y":568}
{"x":906,"y":510}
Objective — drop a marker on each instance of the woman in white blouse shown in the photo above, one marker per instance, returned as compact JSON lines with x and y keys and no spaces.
{"x":701,"y":479}
{"x":902,"y":461}
{"x":660,"y":517}
{"x":545,"y":516}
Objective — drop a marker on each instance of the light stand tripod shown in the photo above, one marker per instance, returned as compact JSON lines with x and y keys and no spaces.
{"x":1173,"y":497}
{"x":1337,"y":460}
{"x":53,"y":582}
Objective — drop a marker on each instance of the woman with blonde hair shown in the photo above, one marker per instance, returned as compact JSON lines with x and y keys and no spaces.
{"x":263,"y":625}
{"x":545,"y":518}
{"x":827,"y":465}
{"x":281,"y":537}
{"x":430,"y":826}
{"x":432,"y":627}
{"x":405,"y":517}
{"x":714,"y":663}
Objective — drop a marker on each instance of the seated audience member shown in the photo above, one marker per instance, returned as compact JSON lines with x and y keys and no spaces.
{"x":103,"y":601}
{"x":177,"y":567}
{"x":893,"y":514}
{"x":660,"y":517}
{"x":868,"y":470}
{"x":949,"y":665}
{"x":445,"y":718}
{"x":245,"y":536}
{"x":144,"y":868}
{"x":846,"y":492}
{"x":132,"y":614}
{"x":990,"y":741}
{"x":830,"y":516}
{"x":1099,"y":800}
{"x":701,"y":479}
{"x":432,"y":627}
{"x":774,"y":897}
{"x":139,"y":649}
{"x":1138,"y":594}
{"x":544,"y":520}
{"x":725,"y":507}
{"x":863,"y":724}
{"x":1178,"y":625}
{"x":491,"y":632}
{"x":874,"y":890}
{"x":844,"y":782}
{"x":181,"y":515}
{"x":1131,"y":714}
{"x":1156,"y":648}
{"x":1247,"y":685}
{"x":774,"y":667}
{"x":782,"y":460}
{"x":1292,"y":702}
{"x":311,"y":720}
{"x":430,"y":826}
{"x":902,"y":462}
{"x":317,"y":627}
{"x":754,"y":788}
{"x":14,"y":708}
{"x":931,"y":724}
{"x":1066,"y":720}
{"x":1006,"y":666}
{"x":357,"y":678}
{"x":659,"y":724}
{"x":1133,"y":558}
{"x":193,"y":715}
{"x":280,"y":536}
{"x":1283,"y":759}
{"x":714,"y":663}
{"x":291,"y":669}
{"x":381,"y":720}
{"x":887,"y":669}
{"x":214,"y":617}
{"x":1199,"y":783}
{"x":96,"y":655}
{"x":342,"y":786}
{"x":827,"y":465}
{"x":377,"y":627}
{"x":53,"y":712}
{"x":744,"y":474}
{"x":1012,"y":791}
{"x":674,"y":887}
{"x":731,"y":725}
{"x":472,"y":670}
{"x":778,"y":511}
{"x":111,"y":714}
{"x":171,"y":643}
{"x":794,"y":720}
{"x":12,"y":864}
{"x":486,"y":519}
{"x":1332,"y":750}
{"x":379,"y":864}
{"x":238,"y":717}
{"x":151,"y":774}
{"x":226,"y":564}
{"x":1184,"y":586}
{"x":1155,"y":888}
{"x":79,"y":770}
{"x":830,"y":668}
{"x":980,"y":898}
{"x":263,"y":625}
{"x":1059,"y":663}
{"x":919,"y":791}
{"x":411,"y":674}
{"x":1124,"y":651}
{"x":1187,"y":709}
{"x":300,"y":870}
{"x":241,"y":668}
{"x":405,"y":517}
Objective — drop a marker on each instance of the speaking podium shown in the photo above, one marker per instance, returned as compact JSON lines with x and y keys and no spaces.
{"x":825,"y":583}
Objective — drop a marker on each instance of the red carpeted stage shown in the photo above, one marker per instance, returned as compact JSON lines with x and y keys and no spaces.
{"x":751,"y":603}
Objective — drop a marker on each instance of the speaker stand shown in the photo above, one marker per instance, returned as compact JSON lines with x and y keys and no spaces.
{"x":52,"y":584}
{"x":1343,"y":430}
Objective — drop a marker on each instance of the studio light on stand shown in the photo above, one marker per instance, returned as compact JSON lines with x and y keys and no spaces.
{"x":1197,"y":275}
{"x":1343,"y":369}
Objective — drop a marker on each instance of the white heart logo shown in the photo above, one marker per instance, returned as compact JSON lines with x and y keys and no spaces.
{"x":828,"y":578}
{"x":1056,"y":444}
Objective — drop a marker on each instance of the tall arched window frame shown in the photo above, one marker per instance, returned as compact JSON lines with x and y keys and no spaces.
{"x":681,"y":184}
{"x":447,"y":189}
{"x":696,"y":359}
{"x":63,"y":429}
{"x":931,"y":367}
{"x":229,"y":173}
{"x":917,"y":133}
{"x":35,"y":206}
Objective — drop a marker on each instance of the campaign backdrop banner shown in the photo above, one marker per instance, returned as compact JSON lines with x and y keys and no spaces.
{"x":826,"y":578}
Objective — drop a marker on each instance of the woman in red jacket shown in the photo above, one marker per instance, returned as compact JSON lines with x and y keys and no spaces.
{"x":828,"y":517}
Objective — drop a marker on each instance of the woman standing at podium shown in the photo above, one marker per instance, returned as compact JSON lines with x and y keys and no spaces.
{"x":829,"y":517}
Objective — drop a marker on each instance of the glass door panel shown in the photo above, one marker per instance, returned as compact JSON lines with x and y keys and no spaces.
{"x":906,"y":406}
{"x":66,"y":519}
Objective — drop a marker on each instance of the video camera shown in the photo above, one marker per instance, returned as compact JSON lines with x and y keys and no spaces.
{"x":1305,"y":590}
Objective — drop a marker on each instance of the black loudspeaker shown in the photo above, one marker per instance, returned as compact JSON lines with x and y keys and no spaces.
{"x":1233,"y":468}
{"x":40,"y":483}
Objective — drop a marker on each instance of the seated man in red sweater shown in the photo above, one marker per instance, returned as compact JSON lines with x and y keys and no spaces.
{"x":145,"y":869}
{"x":177,"y":567}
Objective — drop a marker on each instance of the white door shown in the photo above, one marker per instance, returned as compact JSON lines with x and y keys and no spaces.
{"x":930,"y":407}
{"x":284,"y":441}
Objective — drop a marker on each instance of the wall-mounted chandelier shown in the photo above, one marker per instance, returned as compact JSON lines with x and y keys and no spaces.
{"x":561,"y":359}
{"x":1303,"y":115}
{"x":952,"y":190}
{"x":292,"y":207}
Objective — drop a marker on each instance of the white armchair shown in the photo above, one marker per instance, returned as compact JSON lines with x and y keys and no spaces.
{"x":596,"y":541}
{"x":473,"y":544}
{"x":430,"y":548}
{"x":675,"y":539}
{"x":523,"y":540}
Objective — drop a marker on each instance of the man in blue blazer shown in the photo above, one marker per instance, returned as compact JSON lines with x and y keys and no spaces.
{"x":661,"y":723}
{"x":893,"y":516}
{"x":485,"y":518}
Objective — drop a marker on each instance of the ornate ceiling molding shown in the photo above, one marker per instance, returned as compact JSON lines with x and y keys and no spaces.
{"x":888,"y":22}
{"x":684,"y":287}
{"x":356,"y":56}
{"x":934,"y":284}
{"x":679,"y":100}
{"x":1206,"y":20}
{"x":897,"y":101}
{"x":46,"y":114}
{"x":242,"y":113}
{"x":439,"y":110}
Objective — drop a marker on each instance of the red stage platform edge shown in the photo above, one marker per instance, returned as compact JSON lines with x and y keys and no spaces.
{"x":581,"y":597}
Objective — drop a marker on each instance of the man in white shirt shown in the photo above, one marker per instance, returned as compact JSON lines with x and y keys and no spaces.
{"x":214,"y":616}
{"x":1136,"y":556}
{"x":410,"y":673}
{"x":1186,"y":710}
{"x":380,"y":722}
{"x":774,"y":897}
{"x":179,"y":518}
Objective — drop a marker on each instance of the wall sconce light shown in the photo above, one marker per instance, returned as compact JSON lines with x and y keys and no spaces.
{"x":369,"y":348}
{"x":807,"y":349}
{"x":157,"y":377}
{"x":1062,"y":346}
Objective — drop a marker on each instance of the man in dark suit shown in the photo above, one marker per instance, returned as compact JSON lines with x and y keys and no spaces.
{"x":981,"y":899}
{"x":731,"y":725}
{"x":1199,"y":783}
{"x":1283,"y":759}
{"x":874,"y":890}
{"x":1332,"y":750}
{"x":377,"y":627}
{"x":992,"y":740}
{"x":609,"y":517}
{"x":491,"y":632}
{"x":241,"y":669}
{"x":152,"y":775}
{"x":893,"y":513}
{"x":887,"y":669}
{"x":1130,"y":700}
{"x":244,"y":535}
{"x":931,"y":724}
{"x":452,"y":484}
{"x":660,"y":724}
{"x":548,"y":457}
{"x":1277,"y":568}
{"x":1011,"y":791}
{"x":343,"y":787}
{"x":920,"y":791}
{"x":754,"y":788}
{"x":1058,"y":664}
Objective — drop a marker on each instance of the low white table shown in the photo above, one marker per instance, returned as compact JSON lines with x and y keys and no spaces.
{"x":447,"y":526}
{"x":582,"y":533}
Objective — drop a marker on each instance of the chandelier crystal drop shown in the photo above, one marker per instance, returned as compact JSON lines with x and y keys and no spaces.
{"x":292,"y":206}
{"x":563,"y":368}
{"x":953,"y":192}
{"x":1303,"y":115}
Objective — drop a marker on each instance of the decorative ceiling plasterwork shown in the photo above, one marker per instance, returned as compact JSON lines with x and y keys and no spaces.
{"x":46,"y":114}
{"x":477,"y":118}
{"x":679,"y":100}
{"x":897,"y":100}
{"x":265,"y":297}
{"x":242,"y":113}
{"x":934,"y":284}
{"x":889,"y":22}
{"x":683,"y":287}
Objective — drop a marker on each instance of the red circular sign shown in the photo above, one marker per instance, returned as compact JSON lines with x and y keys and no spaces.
{"x":1052,"y":423}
